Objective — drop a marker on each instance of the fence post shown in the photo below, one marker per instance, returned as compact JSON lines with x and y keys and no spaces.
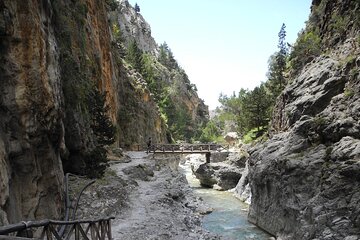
{"x":109,"y":229}
{"x":207,"y":155}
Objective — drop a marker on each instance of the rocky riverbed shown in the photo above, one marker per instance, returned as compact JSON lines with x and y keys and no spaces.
{"x":150,"y":199}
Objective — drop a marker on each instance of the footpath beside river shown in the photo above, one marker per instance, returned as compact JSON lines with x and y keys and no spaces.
{"x":153,"y":199}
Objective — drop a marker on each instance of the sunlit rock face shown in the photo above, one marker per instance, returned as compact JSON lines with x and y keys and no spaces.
{"x":134,"y":26}
{"x":183,"y":96}
{"x":305,"y":179}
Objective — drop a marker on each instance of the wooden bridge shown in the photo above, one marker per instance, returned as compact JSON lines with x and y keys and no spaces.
{"x":188,"y":149}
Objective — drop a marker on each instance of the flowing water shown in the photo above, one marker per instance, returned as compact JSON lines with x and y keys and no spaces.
{"x":229,"y":218}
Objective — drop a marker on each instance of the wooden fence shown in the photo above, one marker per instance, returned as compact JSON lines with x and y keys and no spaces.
{"x":99,"y":229}
{"x":187,"y":148}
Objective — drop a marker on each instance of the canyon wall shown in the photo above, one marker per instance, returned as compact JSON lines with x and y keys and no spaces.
{"x":305,"y":178}
{"x":53,"y":55}
{"x":31,"y":108}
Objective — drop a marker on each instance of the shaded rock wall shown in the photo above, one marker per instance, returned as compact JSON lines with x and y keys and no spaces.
{"x":53,"y":53}
{"x":31,"y":122}
{"x":304,"y":179}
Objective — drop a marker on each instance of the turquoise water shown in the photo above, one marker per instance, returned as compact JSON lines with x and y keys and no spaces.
{"x":229,"y":218}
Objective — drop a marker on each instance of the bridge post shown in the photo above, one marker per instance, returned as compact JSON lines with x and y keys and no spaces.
{"x":207,"y":155}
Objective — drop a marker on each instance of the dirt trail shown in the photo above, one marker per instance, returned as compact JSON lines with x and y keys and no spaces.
{"x":162,"y":206}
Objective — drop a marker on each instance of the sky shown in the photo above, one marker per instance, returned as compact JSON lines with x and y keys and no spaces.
{"x":223,"y":45}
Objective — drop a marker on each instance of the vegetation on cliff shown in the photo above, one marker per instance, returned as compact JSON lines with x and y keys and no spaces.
{"x":176,"y":97}
{"x":250,"y":111}
{"x":304,"y":178}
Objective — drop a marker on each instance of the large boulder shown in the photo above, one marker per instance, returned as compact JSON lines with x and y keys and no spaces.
{"x":231,"y":138}
{"x":220,"y":176}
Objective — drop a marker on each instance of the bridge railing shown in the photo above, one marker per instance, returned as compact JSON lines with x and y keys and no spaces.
{"x":99,"y":229}
{"x":188,"y":148}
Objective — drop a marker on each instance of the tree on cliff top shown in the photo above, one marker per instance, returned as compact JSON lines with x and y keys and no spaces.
{"x":277,"y":66}
{"x":137,"y":8}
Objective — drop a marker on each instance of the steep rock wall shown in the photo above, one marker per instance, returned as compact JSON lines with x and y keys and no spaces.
{"x":89,"y":58}
{"x":53,"y":53}
{"x":185,"y":104}
{"x":304,"y":180}
{"x":31,"y":122}
{"x":138,"y":114}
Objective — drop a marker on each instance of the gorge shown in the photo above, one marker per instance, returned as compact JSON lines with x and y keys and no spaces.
{"x":301,"y":176}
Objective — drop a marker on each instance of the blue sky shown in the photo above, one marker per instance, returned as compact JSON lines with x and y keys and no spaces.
{"x":223,"y":45}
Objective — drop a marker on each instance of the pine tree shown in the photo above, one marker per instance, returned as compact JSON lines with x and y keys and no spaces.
{"x":277,"y":67}
{"x":104,"y":133}
{"x":134,"y":56}
{"x":166,"y":57}
{"x":281,"y":56}
{"x":257,"y":106}
{"x":100,"y":122}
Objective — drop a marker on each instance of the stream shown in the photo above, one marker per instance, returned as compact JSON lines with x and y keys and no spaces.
{"x":229,"y":216}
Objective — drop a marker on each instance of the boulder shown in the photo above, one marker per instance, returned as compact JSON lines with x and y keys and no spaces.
{"x":221,"y":176}
{"x":218,"y":157}
{"x":231,"y":138}
{"x":242,"y":189}
{"x":142,"y":172}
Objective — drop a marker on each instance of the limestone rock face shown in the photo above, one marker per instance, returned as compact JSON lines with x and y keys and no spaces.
{"x":53,"y":53}
{"x":31,"y":122}
{"x":184,"y":100}
{"x":304,"y":179}
{"x":134,"y":26}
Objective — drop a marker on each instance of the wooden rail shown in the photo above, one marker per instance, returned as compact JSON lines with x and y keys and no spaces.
{"x":187,"y":148}
{"x":99,"y":229}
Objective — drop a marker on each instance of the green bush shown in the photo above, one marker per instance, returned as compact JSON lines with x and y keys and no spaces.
{"x":306,"y":48}
{"x":96,"y":163}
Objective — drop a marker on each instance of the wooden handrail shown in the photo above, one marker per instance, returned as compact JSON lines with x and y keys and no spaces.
{"x":99,"y":232}
{"x":187,"y":148}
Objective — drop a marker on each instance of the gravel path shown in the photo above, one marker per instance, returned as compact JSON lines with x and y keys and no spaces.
{"x":162,"y":206}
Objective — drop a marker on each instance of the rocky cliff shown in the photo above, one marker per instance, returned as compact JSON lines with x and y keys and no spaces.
{"x":54,"y":53}
{"x":31,"y":108}
{"x":184,"y":111}
{"x":305,"y":178}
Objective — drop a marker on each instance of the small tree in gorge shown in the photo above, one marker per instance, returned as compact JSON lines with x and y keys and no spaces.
{"x":104,"y":132}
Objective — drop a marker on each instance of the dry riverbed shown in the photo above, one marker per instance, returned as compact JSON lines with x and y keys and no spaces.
{"x":150,"y":199}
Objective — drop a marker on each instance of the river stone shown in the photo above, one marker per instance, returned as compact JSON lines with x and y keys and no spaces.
{"x":221,"y":176}
{"x":218,"y":157}
{"x":141,"y":171}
